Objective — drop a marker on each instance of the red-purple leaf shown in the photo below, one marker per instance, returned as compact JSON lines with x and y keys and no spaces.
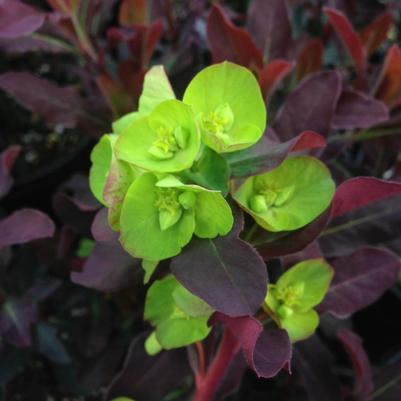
{"x":314,"y":363}
{"x":271,"y":76}
{"x":310,"y":106}
{"x":55,"y":104}
{"x":18,"y":19}
{"x":266,"y":351}
{"x":310,"y":59}
{"x":140,"y":373}
{"x":134,"y":12}
{"x":363,"y":371}
{"x":294,"y":241}
{"x":7,"y":159}
{"x":108,"y":268}
{"x":360,"y":279}
{"x":269,"y":25}
{"x":228,"y":42}
{"x":101,"y":230}
{"x":268,"y":154}
{"x":225,"y":272}
{"x":349,"y":37}
{"x":389,"y":85}
{"x":358,"y":110}
{"x":25,"y":225}
{"x":373,"y":35}
{"x":360,"y":191}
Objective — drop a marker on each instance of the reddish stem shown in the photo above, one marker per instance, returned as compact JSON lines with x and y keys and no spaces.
{"x":207,"y":385}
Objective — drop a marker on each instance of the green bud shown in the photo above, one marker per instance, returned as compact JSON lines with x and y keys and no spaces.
{"x":187,"y":199}
{"x":152,"y":346}
{"x":181,"y":136}
{"x":159,"y":154}
{"x":224,"y":138}
{"x":258,"y":203}
{"x":284,"y":311}
{"x":225,"y":116}
{"x":283,"y":195}
{"x":167,"y":218}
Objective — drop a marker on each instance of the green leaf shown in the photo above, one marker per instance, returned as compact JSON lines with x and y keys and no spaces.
{"x":314,"y":275}
{"x":211,"y":171}
{"x":141,"y":233}
{"x":213,"y":215}
{"x":156,"y":89}
{"x":101,"y":158}
{"x":180,"y":317}
{"x":166,"y":141}
{"x":152,"y":346}
{"x":288,"y":197}
{"x":301,"y":325}
{"x":85,"y":247}
{"x":228,"y":103}
{"x":125,"y":121}
{"x":149,"y":266}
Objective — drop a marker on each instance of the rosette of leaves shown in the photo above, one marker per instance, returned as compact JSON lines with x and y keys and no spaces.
{"x":289,"y":196}
{"x":291,"y":300}
{"x":179,"y":317}
{"x":160,"y":214}
{"x":167,"y":140}
{"x":228,"y":103}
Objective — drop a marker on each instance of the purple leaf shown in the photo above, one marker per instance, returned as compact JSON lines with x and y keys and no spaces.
{"x":25,"y":225}
{"x":108,"y":268}
{"x":377,"y":224}
{"x":228,"y":42}
{"x":294,"y":241}
{"x":266,"y":351}
{"x":50,"y":345}
{"x":266,"y":154}
{"x":225,"y":272}
{"x":140,"y":372}
{"x":100,"y":229}
{"x":359,"y":280}
{"x":16,"y":318}
{"x":18,"y":19}
{"x":313,"y":361}
{"x":269,"y":25}
{"x":310,"y":107}
{"x":363,"y":371}
{"x":360,"y":191}
{"x":7,"y":160}
{"x":55,"y":104}
{"x":357,"y":110}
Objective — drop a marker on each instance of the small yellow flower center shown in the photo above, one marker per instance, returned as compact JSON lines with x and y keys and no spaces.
{"x":218,"y":122}
{"x":269,"y":197}
{"x":168,"y":142}
{"x":288,"y":298}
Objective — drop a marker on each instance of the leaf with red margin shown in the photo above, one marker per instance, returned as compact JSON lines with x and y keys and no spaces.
{"x":7,"y":160}
{"x":360,"y":191}
{"x":349,"y":38}
{"x":266,"y":351}
{"x":25,"y":225}
{"x":271,"y":75}
{"x":18,"y":19}
{"x":293,"y":241}
{"x":389,"y":84}
{"x":373,"y":35}
{"x":364,"y":385}
{"x":226,"y":272}
{"x":269,"y":25}
{"x":228,"y":42}
{"x":358,"y":110}
{"x":310,"y":107}
{"x":310,"y":59}
{"x":360,"y":278}
{"x":55,"y":104}
{"x":266,"y":154}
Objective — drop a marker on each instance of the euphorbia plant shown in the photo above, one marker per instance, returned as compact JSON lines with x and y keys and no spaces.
{"x":164,"y":174}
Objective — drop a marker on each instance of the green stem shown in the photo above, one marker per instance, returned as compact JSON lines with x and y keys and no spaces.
{"x":83,"y":37}
{"x":54,"y":41}
{"x":250,"y":233}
